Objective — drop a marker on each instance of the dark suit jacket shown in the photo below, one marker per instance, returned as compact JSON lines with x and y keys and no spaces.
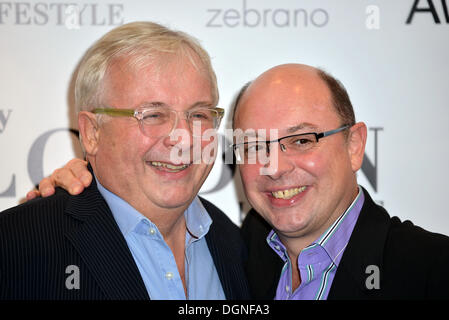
{"x":412,"y":263}
{"x":41,"y":238}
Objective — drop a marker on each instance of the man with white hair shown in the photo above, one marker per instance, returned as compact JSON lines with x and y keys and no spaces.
{"x":139,"y":231}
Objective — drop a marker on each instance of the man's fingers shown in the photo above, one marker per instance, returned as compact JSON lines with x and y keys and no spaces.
{"x":79,"y":169}
{"x":46,"y":187}
{"x":33,"y":194}
{"x":64,"y":178}
{"x":73,"y":177}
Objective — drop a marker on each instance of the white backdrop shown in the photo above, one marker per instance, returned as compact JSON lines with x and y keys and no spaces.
{"x":392,"y":56}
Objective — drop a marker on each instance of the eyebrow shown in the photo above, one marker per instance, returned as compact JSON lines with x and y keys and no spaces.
{"x":301,"y":126}
{"x":153,"y":104}
{"x":159,"y":104}
{"x":202,"y":104}
{"x":289,"y":130}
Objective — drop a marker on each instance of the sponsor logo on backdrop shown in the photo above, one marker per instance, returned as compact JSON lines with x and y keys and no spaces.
{"x":436,"y":10}
{"x":249,"y":15}
{"x":67,"y":14}
{"x":4,"y":118}
{"x":35,"y":161}
{"x":370,"y":166}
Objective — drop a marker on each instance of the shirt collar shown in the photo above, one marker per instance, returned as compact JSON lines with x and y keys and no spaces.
{"x":128,"y":218}
{"x":334,"y":239}
{"x":198,"y":220}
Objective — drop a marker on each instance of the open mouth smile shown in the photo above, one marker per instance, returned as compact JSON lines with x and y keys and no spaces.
{"x":167,"y":166}
{"x":288,"y":193}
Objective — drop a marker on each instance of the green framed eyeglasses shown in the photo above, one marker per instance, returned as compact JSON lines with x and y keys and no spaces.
{"x":160,"y":121}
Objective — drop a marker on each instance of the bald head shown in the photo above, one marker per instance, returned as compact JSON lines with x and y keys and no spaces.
{"x":297,"y":82}
{"x":306,"y":182}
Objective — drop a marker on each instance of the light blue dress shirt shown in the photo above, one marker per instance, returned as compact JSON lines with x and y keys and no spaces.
{"x":155,"y":259}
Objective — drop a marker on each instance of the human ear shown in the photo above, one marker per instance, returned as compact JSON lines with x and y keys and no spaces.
{"x":356,"y":144}
{"x":89,"y":131}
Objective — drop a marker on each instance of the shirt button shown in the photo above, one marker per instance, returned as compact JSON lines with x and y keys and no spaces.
{"x":278,"y":248}
{"x":287,"y":289}
{"x":152,"y":231}
{"x":169,"y":275}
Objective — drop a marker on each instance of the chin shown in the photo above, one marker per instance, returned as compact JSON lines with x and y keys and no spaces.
{"x":173,"y":204}
{"x":287,"y":224}
{"x":175,"y":200}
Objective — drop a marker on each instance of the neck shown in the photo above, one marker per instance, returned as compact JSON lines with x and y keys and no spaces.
{"x":169,"y":222}
{"x":296,"y":243}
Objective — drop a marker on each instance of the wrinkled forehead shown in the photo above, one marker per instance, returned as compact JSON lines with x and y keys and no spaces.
{"x":159,"y":64}
{"x":132,"y":76}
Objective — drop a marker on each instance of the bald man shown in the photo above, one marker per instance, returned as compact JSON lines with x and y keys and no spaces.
{"x":326,"y":237}
{"x":314,"y":233}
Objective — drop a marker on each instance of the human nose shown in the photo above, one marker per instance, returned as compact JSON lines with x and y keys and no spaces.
{"x":181,"y":133}
{"x":279,"y":163}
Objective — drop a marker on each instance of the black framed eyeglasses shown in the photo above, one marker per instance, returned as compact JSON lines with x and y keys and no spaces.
{"x":292,"y":144}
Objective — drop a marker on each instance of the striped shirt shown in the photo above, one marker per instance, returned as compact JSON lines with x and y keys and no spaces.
{"x":319,"y":261}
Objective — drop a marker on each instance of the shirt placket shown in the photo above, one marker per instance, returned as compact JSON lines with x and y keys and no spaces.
{"x":167,"y":264}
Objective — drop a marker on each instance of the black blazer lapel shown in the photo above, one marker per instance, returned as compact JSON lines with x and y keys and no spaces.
{"x":264,"y":266}
{"x":219,"y":259}
{"x":365,"y":248}
{"x":103,"y":248}
{"x":228,"y":254}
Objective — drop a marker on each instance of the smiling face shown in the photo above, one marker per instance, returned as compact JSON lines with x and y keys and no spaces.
{"x":132,"y":165}
{"x":305,"y":193}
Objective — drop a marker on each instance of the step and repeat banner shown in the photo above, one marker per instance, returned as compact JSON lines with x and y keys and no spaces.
{"x":392,"y":56}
